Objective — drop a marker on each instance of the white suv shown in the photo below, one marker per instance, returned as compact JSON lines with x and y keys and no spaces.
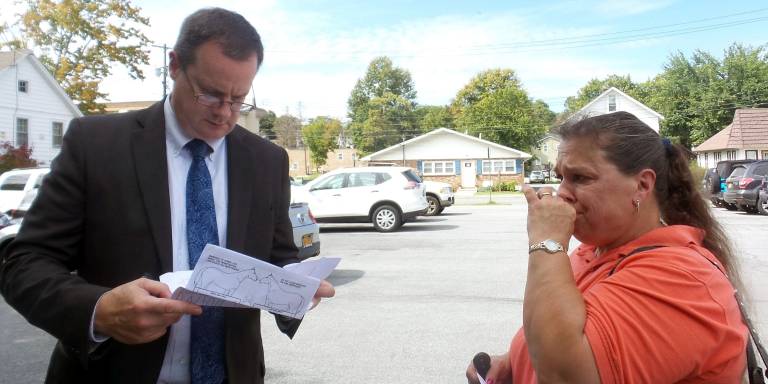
{"x":384,"y":196}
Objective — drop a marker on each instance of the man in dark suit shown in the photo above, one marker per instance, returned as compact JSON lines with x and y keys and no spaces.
{"x":138,"y":194}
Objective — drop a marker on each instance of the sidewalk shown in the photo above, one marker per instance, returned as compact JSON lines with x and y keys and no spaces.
{"x":483,"y":198}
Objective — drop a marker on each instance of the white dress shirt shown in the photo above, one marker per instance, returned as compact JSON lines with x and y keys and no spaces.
{"x":176,"y":362}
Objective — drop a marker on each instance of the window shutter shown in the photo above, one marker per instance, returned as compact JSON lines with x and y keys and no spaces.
{"x":420,"y":165}
{"x":518,"y":165}
{"x":479,"y":167}
{"x":457,"y":167}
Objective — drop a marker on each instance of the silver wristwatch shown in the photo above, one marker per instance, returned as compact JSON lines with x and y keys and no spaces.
{"x":548,"y":246}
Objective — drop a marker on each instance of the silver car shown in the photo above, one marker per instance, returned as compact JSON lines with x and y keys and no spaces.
{"x":306,"y":231}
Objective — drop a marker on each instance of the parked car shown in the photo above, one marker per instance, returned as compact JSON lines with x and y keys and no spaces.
{"x":306,"y":231}
{"x":16,"y":184}
{"x":536,"y":177}
{"x":384,"y":196}
{"x":439,"y":196}
{"x":762,"y":197}
{"x":743,"y":185}
{"x":714,"y":182}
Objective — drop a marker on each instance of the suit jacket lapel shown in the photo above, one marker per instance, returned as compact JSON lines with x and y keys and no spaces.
{"x":241,"y":175}
{"x":149,"y":155}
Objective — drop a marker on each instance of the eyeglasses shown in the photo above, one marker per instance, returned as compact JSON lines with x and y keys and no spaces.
{"x":211,"y":101}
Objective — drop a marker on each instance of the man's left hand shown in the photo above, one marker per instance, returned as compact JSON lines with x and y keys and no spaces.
{"x":324,"y":290}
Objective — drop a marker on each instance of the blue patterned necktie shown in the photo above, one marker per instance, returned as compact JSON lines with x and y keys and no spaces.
{"x":207,"y":337}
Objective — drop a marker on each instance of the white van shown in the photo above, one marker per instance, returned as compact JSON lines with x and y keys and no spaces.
{"x":18,"y":183}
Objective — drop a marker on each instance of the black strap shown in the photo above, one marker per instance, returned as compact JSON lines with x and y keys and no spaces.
{"x":754,"y":371}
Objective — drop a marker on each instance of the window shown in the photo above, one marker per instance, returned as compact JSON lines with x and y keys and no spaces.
{"x":765,"y":155}
{"x":499,"y":166}
{"x":611,"y":103}
{"x":294,"y":166}
{"x":706,"y":158}
{"x":57,"y":134}
{"x":340,"y":156}
{"x":717,"y":156}
{"x":750,"y":154}
{"x":362,"y":179}
{"x":15,"y":183}
{"x":333,"y":182}
{"x":22,"y":132}
{"x":438,"y":168}
{"x":730,"y":155}
{"x":23,"y":86}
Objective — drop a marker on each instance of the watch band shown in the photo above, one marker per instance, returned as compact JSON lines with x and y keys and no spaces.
{"x":548,"y":246}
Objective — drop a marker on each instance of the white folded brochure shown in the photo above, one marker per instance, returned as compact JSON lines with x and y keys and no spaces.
{"x":225,"y":278}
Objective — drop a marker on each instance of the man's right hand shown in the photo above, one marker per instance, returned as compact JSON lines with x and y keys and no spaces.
{"x":499,"y":373}
{"x":139,"y":311}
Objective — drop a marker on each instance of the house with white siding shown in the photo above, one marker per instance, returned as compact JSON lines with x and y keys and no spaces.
{"x":462,"y":160}
{"x":745,"y":138}
{"x":34,"y":109}
{"x":614,"y":100}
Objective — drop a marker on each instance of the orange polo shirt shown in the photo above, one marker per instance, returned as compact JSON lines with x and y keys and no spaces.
{"x":666,"y":315}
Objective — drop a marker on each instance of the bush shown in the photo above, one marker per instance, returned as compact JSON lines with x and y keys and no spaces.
{"x":507,"y":186}
{"x":697,"y":172}
{"x":12,"y":157}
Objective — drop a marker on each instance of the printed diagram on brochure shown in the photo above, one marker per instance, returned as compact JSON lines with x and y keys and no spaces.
{"x":226,"y":278}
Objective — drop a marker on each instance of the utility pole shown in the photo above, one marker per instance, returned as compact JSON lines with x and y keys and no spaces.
{"x":164,"y":69}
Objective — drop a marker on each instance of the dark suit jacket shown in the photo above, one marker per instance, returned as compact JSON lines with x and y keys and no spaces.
{"x":102,"y":218}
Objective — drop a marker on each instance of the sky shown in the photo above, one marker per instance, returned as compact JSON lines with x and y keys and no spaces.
{"x":315,"y":50}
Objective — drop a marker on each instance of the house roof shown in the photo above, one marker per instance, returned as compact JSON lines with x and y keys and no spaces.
{"x":444,"y":131}
{"x":8,"y":58}
{"x":616,"y":90}
{"x":749,"y":129}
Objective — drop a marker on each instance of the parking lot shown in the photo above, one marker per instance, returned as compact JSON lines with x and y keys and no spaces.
{"x":410,"y":306}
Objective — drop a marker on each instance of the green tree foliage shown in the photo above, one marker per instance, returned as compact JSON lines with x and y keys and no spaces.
{"x":267,"y":125}
{"x":698,"y":95}
{"x":494,"y":104}
{"x":381,"y":107}
{"x":15,"y":157}
{"x":595,"y":87}
{"x":321,"y":135}
{"x":79,"y":41}
{"x":430,"y":117}
{"x":287,"y":129}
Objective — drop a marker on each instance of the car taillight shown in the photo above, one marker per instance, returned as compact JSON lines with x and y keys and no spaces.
{"x":744,"y":182}
{"x":411,"y":185}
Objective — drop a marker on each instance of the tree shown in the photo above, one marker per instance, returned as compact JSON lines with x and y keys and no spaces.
{"x":430,"y":117}
{"x":287,"y":130}
{"x":267,"y":125}
{"x":321,"y":135}
{"x":79,"y":41}
{"x":698,"y":96}
{"x":15,"y":157}
{"x":381,"y":107}
{"x":494,"y":104}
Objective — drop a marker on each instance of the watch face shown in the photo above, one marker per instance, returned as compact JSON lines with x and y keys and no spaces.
{"x":551,"y":245}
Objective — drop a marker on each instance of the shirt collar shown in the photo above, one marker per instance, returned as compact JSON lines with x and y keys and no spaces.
{"x":669,"y":236}
{"x":176,"y":136}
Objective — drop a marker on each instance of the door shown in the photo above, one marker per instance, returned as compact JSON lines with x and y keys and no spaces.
{"x":468,"y":174}
{"x":325,"y":196}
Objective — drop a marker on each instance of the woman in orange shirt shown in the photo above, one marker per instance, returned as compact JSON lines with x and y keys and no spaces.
{"x":648,"y":296}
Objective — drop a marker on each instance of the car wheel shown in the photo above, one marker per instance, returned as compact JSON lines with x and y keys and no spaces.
{"x":433,"y":207}
{"x":386,"y":219}
{"x":762,"y":205}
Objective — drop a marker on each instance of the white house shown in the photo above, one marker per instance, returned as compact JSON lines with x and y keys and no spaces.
{"x":614,"y":100}
{"x":34,"y":109}
{"x":745,"y":138}
{"x":456,"y":158}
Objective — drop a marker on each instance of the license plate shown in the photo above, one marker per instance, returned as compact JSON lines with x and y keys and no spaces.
{"x":306,"y":240}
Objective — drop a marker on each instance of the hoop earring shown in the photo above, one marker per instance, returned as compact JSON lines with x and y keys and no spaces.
{"x":636,"y":203}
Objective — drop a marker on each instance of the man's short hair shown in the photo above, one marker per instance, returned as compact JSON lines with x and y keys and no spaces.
{"x":237,"y":37}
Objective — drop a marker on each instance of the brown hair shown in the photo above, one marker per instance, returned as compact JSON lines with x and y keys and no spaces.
{"x":632,"y":146}
{"x":237,"y":37}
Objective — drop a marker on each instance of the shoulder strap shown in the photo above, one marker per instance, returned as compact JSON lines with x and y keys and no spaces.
{"x":754,"y":371}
